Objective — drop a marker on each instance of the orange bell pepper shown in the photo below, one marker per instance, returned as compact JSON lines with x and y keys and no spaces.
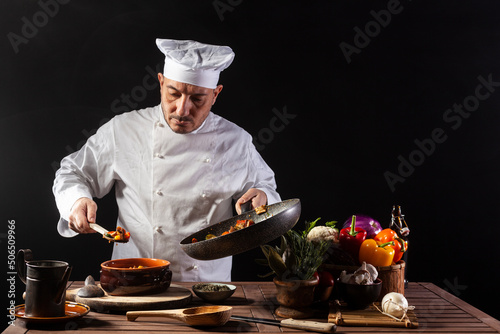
{"x":400,"y":246}
{"x":376,"y":253}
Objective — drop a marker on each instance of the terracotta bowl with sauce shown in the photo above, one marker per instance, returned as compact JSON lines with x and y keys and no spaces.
{"x":135,"y":276}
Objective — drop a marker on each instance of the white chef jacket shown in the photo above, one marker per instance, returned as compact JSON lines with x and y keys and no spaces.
{"x":167,"y":185}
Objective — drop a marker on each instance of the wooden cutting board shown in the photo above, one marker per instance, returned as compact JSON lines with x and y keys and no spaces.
{"x":369,"y":317}
{"x":175,"y":296}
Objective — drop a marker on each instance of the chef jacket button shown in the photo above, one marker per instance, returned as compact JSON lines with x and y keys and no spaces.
{"x":159,"y":156}
{"x":195,"y":267}
{"x":207,"y":160}
{"x":159,"y":193}
{"x":203,"y":195}
{"x":158,"y":229}
{"x":159,"y":124}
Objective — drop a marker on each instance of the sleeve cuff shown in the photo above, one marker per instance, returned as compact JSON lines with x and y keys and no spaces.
{"x":272,"y":196}
{"x":67,"y":199}
{"x":64,"y":230}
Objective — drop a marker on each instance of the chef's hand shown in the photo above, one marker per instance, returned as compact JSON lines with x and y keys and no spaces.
{"x":82,"y":213}
{"x":255,"y":196}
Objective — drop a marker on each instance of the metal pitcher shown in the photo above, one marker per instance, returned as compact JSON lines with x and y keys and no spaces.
{"x":46,"y":282}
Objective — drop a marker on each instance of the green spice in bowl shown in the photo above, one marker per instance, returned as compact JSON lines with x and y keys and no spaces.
{"x":213,"y":292}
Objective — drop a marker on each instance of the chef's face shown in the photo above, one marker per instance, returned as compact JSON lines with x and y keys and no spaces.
{"x":185,"y":106}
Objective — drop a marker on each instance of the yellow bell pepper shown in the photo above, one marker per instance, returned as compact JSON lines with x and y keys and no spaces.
{"x":376,"y":253}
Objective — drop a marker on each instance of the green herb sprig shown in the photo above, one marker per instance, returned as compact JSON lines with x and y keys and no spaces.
{"x":296,"y":258}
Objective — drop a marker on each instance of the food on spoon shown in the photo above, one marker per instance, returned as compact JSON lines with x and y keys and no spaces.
{"x":119,"y":235}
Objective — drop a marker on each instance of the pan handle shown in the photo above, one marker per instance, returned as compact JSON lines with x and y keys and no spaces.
{"x":247,"y":206}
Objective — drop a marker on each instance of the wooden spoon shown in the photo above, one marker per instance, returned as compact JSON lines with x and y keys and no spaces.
{"x":98,"y":228}
{"x":194,"y":316}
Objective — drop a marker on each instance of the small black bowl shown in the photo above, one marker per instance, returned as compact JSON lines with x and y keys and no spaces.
{"x":359,"y":296}
{"x":214,"y":296}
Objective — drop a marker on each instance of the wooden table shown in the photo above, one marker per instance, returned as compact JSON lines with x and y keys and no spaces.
{"x":437,"y":310}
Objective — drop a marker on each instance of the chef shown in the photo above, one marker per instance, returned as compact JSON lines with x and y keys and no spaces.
{"x":176,"y":168}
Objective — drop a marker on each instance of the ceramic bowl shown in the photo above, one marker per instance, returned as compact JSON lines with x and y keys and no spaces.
{"x":214,"y":296}
{"x":359,"y":296}
{"x":135,"y":276}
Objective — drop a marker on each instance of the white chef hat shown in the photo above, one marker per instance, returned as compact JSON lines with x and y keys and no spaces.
{"x":193,"y":62}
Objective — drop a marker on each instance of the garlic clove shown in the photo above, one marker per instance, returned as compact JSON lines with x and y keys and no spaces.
{"x":345,"y":277}
{"x":373,"y":271}
{"x":362,"y":277}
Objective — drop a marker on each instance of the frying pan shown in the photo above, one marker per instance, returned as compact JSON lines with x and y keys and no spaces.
{"x":279,"y":218}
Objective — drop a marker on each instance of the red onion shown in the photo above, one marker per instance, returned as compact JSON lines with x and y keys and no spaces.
{"x":370,"y":225}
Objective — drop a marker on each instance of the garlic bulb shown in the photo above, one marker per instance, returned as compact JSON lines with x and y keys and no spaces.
{"x":395,"y":305}
{"x":362,"y":277}
{"x":371,"y":269}
{"x":366,"y":274}
{"x":345,"y":277}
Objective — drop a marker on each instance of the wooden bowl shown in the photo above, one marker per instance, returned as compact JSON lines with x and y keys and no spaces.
{"x":135,"y":276}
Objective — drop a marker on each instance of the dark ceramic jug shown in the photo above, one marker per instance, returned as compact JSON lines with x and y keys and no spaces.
{"x":45,"y":285}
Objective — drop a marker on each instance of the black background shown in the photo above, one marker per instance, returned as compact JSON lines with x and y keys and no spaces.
{"x":350,"y":119}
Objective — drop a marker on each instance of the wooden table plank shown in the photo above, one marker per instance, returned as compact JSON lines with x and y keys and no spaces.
{"x":253,"y":292}
{"x":437,"y":311}
{"x":490,"y":321}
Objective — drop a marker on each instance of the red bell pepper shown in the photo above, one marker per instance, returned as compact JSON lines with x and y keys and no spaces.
{"x":400,"y":246}
{"x":351,"y":238}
